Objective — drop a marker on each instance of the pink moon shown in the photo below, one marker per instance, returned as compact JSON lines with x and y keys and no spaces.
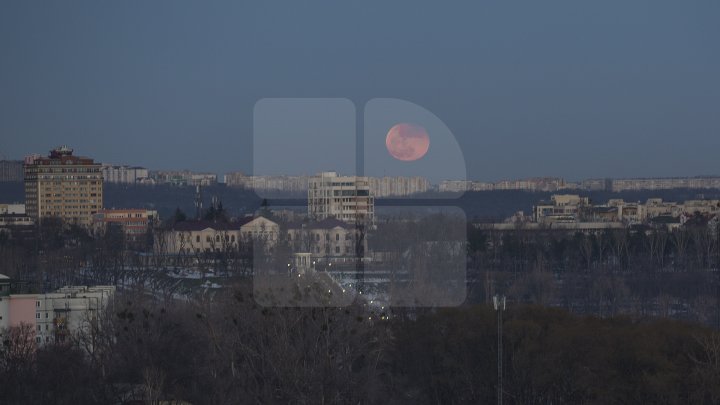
{"x":407,"y":142}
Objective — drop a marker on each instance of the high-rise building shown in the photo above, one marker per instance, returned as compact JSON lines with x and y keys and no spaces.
{"x":11,"y":170}
{"x":347,"y":198}
{"x":63,"y":186}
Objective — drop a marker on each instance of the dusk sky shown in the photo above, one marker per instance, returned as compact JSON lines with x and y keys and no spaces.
{"x":528,"y":88}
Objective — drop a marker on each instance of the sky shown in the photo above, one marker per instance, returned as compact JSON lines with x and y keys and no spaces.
{"x":526,"y":88}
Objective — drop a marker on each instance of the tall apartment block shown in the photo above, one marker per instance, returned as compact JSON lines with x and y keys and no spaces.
{"x":63,"y":186}
{"x":347,"y":198}
{"x":11,"y":170}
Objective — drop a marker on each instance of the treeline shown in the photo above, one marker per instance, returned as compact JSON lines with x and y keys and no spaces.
{"x":638,"y":271}
{"x":228,"y":350}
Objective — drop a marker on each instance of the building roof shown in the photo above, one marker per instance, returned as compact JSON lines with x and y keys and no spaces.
{"x":327,"y":223}
{"x":194,"y":226}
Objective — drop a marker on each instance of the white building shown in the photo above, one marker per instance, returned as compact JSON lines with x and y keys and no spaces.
{"x":56,"y":317}
{"x":12,"y":209}
{"x":124,"y":174}
{"x":347,"y":198}
{"x":70,"y":310}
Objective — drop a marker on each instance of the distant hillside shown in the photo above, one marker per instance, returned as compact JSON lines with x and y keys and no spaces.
{"x":491,"y":205}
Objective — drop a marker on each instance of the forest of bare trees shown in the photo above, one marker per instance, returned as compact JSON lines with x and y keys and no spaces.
{"x":229,"y":350}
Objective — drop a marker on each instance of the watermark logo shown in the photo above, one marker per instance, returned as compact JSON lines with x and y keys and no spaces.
{"x":353,"y":194}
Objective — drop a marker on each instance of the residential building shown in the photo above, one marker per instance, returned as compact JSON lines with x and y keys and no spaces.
{"x":398,"y":186}
{"x":15,"y":222}
{"x":347,"y":198}
{"x":125,"y":174}
{"x":381,"y":186}
{"x":184,"y":178}
{"x":64,"y":186}
{"x":15,"y":309}
{"x":56,"y":316}
{"x":70,"y":310}
{"x":12,"y":209}
{"x":11,"y":170}
{"x":285,"y":184}
{"x":665,"y":183}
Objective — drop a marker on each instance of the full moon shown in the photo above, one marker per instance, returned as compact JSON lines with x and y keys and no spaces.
{"x":407,"y":142}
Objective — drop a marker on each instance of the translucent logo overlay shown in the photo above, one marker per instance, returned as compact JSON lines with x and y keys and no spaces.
{"x":354,"y":212}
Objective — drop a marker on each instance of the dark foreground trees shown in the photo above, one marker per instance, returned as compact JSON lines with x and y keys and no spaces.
{"x":226,"y":349}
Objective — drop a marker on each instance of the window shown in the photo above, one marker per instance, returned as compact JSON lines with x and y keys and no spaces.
{"x":46,"y":315}
{"x":37,"y":304}
{"x":37,"y":315}
{"x":197,"y":239}
{"x":337,"y":236}
{"x":337,"y":249}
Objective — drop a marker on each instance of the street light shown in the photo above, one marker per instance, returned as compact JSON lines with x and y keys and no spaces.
{"x":499,"y":304}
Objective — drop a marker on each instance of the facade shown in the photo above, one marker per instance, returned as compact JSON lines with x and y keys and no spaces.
{"x":398,"y":186}
{"x":184,"y":178}
{"x":573,"y":208}
{"x":531,"y":184}
{"x":330,"y":238}
{"x":14,"y":222}
{"x":381,"y":186}
{"x":665,"y":183}
{"x":15,"y":309}
{"x":56,"y":316}
{"x":11,"y":170}
{"x":346,"y":198}
{"x":69,"y":310}
{"x":135,"y":223}
{"x":195,"y":237}
{"x":288,"y":184}
{"x":63,"y":186}
{"x":12,"y":209}
{"x":125,"y":174}
{"x":561,"y":208}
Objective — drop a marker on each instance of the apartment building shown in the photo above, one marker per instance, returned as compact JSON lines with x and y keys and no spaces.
{"x":184,"y":178}
{"x":70,"y":310}
{"x":11,"y":170}
{"x":346,"y":198}
{"x":124,"y":174}
{"x":64,"y":186}
{"x":55,"y":317}
{"x":398,"y":186}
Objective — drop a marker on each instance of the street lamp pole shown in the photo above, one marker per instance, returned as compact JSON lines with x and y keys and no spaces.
{"x":499,"y":304}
